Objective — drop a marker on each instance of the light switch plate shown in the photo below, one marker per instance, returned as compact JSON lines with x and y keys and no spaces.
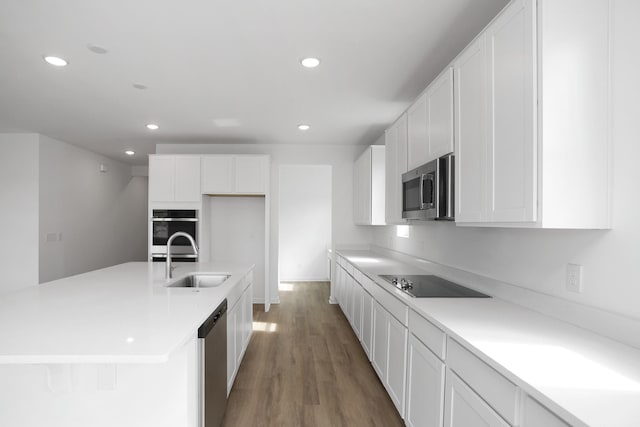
{"x":574,"y":278}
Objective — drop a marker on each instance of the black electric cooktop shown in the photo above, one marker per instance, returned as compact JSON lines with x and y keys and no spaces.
{"x":429,"y":286}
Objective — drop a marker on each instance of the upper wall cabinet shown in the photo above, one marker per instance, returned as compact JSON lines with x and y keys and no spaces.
{"x":235,"y":174}
{"x":430,"y":122}
{"x":395,"y":142}
{"x":369,"y":187}
{"x":174,"y":178}
{"x":531,"y":122}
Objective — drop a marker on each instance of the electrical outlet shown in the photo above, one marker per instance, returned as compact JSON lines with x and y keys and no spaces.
{"x":574,"y":278}
{"x":51,"y":237}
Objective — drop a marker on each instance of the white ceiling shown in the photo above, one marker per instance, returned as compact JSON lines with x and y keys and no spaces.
{"x":223,"y":59}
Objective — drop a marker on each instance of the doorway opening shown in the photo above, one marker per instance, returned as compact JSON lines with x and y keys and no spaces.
{"x":304,"y":211}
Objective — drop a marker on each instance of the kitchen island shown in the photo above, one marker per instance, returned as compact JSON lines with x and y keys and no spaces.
{"x":110,"y":347}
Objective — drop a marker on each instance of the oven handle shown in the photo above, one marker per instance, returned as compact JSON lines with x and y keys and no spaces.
{"x":156,"y":219}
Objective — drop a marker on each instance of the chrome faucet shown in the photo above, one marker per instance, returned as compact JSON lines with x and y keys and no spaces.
{"x":169,"y":268}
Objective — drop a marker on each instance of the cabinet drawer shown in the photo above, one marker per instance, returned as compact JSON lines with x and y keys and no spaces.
{"x":500,"y":393}
{"x":350,"y":269}
{"x":357,"y":274}
{"x":534,"y":414}
{"x":393,"y":305}
{"x":428,"y":333}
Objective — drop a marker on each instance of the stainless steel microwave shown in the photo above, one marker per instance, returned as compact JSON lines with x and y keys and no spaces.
{"x":428,"y":190}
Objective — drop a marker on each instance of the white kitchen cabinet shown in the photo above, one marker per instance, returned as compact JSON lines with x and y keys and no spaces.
{"x":512,"y":143}
{"x":471,"y":134}
{"x":464,"y":408}
{"x":235,"y":174}
{"x":369,"y":187}
{"x":396,"y":362}
{"x":232,"y":362}
{"x":250,"y":174}
{"x":380,"y":341}
{"x":425,"y":386}
{"x":367,"y":323}
{"x":528,"y":118}
{"x":440,"y":115}
{"x":535,"y":415}
{"x":239,"y":330}
{"x":395,"y":141}
{"x":430,"y":122}
{"x":174,"y":178}
{"x":417,"y":146}
{"x":217,"y":174}
{"x":357,"y":308}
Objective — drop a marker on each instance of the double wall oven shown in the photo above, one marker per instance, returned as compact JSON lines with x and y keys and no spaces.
{"x":164,"y":223}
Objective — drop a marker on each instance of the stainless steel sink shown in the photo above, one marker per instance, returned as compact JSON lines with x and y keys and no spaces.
{"x":200,"y":280}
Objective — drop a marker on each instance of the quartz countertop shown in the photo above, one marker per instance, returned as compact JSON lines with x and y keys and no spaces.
{"x":586,"y":378}
{"x":120,"y":314}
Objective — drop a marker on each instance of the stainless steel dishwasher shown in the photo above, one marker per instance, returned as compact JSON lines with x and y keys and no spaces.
{"x":213,"y":367}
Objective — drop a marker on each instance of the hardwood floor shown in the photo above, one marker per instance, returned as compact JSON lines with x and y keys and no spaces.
{"x":307,"y":368}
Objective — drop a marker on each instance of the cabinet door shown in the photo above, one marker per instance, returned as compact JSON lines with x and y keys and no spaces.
{"x":364,"y":188}
{"x":231,"y":348}
{"x":367,"y":322}
{"x":350,"y":298}
{"x":425,"y":388}
{"x":357,"y":309}
{"x":396,"y":365}
{"x":470,"y":127}
{"x":512,"y":142}
{"x":251,"y":174}
{"x":380,"y":341}
{"x":240,"y":317}
{"x":534,"y":415}
{"x":395,"y":166}
{"x":187,"y":179}
{"x":217,"y":175}
{"x":248,"y":317}
{"x":464,"y":408}
{"x":417,"y":139}
{"x":357,"y":207}
{"x":440,"y":115}
{"x":162,"y":172}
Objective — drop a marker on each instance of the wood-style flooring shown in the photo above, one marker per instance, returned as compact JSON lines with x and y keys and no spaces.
{"x":305,"y":367}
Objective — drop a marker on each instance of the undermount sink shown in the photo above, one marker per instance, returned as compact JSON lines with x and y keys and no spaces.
{"x":200,"y":280}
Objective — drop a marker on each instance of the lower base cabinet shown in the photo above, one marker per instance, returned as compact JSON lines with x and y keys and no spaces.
{"x":367,"y":323}
{"x":239,"y":327}
{"x":397,"y":362}
{"x":425,"y":386}
{"x":535,"y":415}
{"x":380,"y":341}
{"x":464,"y":408}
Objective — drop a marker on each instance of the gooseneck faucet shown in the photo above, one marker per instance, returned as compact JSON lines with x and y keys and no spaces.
{"x":169,"y":268}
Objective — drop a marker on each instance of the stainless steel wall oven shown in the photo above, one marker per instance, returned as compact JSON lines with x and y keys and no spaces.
{"x":164,"y":223}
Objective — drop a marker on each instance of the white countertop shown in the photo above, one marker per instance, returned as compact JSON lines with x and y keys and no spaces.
{"x":586,"y":378}
{"x":120,"y":314}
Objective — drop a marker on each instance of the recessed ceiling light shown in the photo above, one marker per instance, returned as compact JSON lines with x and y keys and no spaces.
{"x":129,"y":152}
{"x":310,"y":62}
{"x":97,"y":49}
{"x":304,"y":127}
{"x":152,"y":126}
{"x":54,"y":60}
{"x":139,"y":86}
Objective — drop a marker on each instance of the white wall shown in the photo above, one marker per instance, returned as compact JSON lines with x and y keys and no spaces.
{"x":536,"y":259}
{"x":340,"y":158}
{"x":305,"y":221}
{"x":18,"y":211}
{"x":101,"y":216}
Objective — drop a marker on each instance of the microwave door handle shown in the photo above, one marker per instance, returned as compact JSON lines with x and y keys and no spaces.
{"x":450,"y":187}
{"x":422,"y":178}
